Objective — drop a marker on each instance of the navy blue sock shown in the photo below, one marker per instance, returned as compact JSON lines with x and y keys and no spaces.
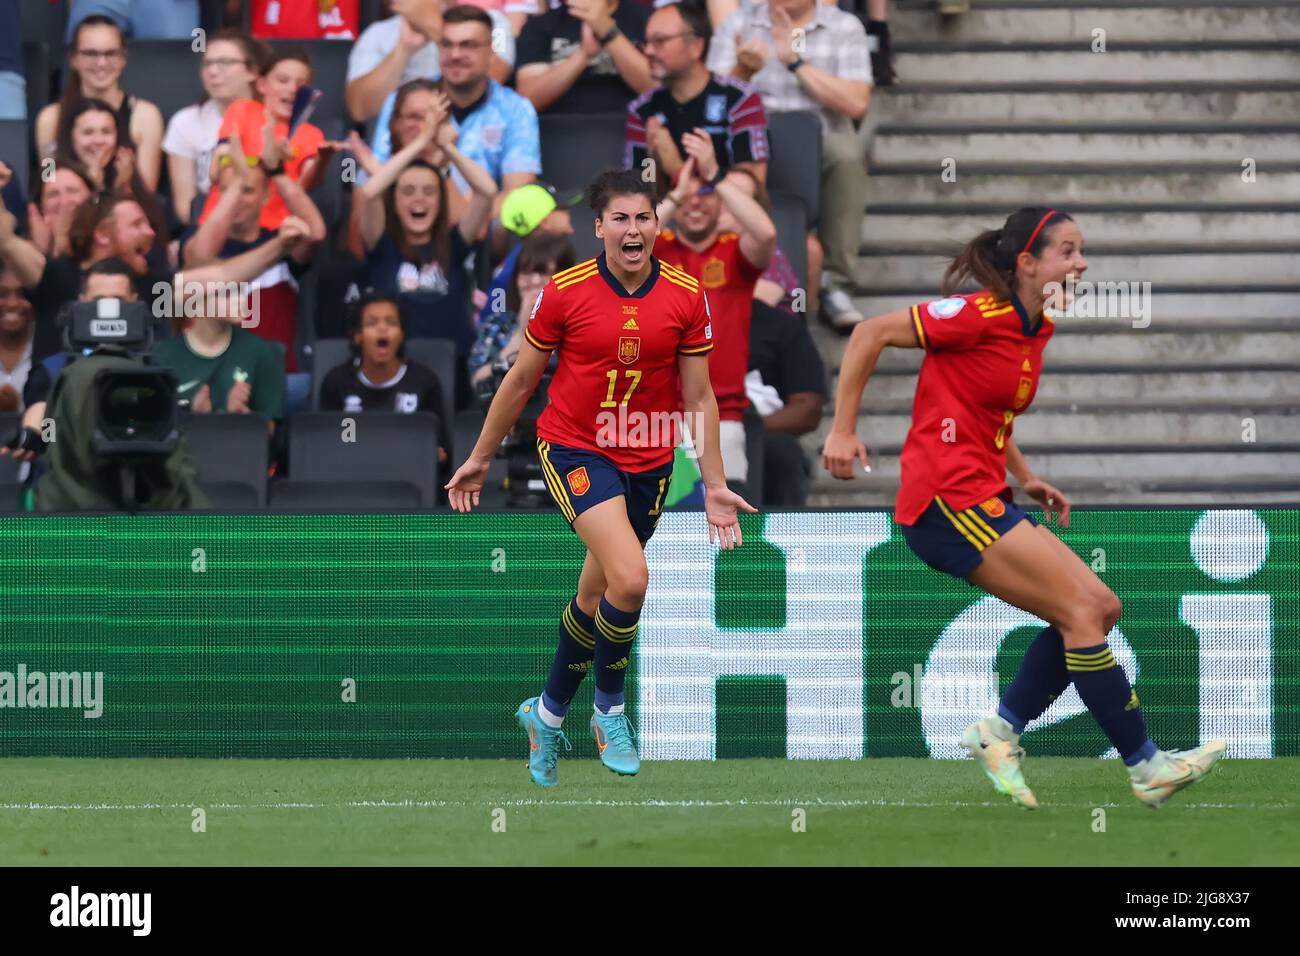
{"x":572,"y":659}
{"x":615,"y":631}
{"x":1114,"y":704}
{"x":1041,"y":679}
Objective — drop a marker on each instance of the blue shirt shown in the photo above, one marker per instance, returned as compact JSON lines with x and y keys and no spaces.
{"x":500,"y":134}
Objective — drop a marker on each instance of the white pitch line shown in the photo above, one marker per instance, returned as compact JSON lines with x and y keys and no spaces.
{"x":648,"y":804}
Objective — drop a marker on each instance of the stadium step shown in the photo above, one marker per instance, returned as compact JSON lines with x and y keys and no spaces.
{"x":1097,"y":144}
{"x":1126,"y":347}
{"x":1136,"y":23}
{"x":1137,"y":389}
{"x":1072,"y":61}
{"x":1230,"y":269}
{"x":1185,"y":305}
{"x":1212,"y":103}
{"x":1169,"y":426}
{"x":889,"y":228}
{"x":1177,"y":181}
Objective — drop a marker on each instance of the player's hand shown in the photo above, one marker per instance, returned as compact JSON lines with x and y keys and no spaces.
{"x":464,"y":487}
{"x":1055,"y":504}
{"x":720,"y":507}
{"x":237,"y":398}
{"x":699,"y":146}
{"x":839,"y":453}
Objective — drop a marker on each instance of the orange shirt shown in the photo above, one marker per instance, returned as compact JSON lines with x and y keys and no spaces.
{"x":248,"y":119}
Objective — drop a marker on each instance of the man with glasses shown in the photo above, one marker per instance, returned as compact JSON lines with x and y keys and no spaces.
{"x":406,"y":47}
{"x":582,"y":57}
{"x":677,"y":39}
{"x":495,"y":126}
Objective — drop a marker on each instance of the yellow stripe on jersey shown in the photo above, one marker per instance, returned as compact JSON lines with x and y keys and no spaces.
{"x":574,"y":279}
{"x":554,"y":482}
{"x":990,"y":314}
{"x":572,"y":269}
{"x":965,"y":533}
{"x":920,"y":331}
{"x":538,"y":343}
{"x":688,"y":286}
{"x":979,"y":520}
{"x":696,"y":349}
{"x":677,"y":270}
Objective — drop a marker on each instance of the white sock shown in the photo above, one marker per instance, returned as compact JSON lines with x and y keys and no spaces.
{"x":616,"y":709}
{"x":548,"y":718}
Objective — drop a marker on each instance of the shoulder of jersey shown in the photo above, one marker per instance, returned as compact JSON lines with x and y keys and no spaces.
{"x":579,"y":273}
{"x":677,"y":277}
{"x":988,"y":304}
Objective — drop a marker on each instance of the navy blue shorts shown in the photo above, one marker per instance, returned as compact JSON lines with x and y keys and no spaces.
{"x":954,"y":541}
{"x":579,"y":479}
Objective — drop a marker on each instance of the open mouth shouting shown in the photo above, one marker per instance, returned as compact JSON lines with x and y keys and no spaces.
{"x":633,"y":250}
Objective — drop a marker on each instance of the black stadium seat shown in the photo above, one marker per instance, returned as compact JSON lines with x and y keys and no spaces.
{"x":288,"y":495}
{"x":165,"y":72}
{"x":36,"y":71}
{"x":375,"y":446}
{"x":229,"y":450}
{"x":795,"y":140}
{"x":791,"y":231}
{"x":576,"y":148}
{"x":15,"y":149}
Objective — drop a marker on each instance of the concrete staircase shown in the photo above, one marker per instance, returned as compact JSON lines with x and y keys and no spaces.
{"x":1144,"y":144}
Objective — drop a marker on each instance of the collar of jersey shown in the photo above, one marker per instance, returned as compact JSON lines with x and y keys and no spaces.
{"x":1025,"y":327}
{"x":617,"y":286}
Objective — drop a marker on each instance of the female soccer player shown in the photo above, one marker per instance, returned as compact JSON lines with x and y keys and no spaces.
{"x":983,"y":358}
{"x":633,"y":336}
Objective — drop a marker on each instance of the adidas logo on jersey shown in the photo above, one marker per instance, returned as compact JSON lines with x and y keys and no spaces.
{"x":631,"y":324}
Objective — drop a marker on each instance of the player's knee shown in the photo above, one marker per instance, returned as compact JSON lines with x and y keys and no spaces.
{"x":626,"y":587}
{"x":1111,"y":609}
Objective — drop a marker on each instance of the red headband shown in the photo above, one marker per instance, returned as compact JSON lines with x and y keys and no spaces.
{"x":1038,"y":228}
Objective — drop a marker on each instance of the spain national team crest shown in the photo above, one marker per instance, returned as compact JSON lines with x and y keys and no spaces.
{"x":714,"y":274}
{"x":994,"y":508}
{"x":578,"y":481}
{"x":629,"y":348}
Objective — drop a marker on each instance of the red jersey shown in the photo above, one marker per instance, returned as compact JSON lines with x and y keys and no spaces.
{"x":616,"y":390}
{"x":729,"y":279}
{"x":306,"y":19}
{"x":980,"y":371}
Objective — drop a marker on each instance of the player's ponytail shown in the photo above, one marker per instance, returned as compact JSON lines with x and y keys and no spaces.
{"x":989,"y":260}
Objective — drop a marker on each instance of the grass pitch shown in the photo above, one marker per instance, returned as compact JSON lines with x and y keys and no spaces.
{"x":71,"y":812}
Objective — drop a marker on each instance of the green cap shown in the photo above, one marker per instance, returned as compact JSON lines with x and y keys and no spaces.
{"x":525,"y":208}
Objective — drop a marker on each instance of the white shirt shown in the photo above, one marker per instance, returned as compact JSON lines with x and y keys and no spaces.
{"x":192,"y":133}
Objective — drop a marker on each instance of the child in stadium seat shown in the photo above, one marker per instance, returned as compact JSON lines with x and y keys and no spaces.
{"x":500,"y":336}
{"x":229,"y":68}
{"x":412,"y":250}
{"x":379,"y":377}
{"x":96,"y":59}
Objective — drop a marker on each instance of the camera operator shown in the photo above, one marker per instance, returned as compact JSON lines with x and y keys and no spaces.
{"x":78,"y":477}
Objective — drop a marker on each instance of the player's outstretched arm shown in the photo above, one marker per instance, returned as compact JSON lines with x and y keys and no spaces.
{"x":866,"y":343}
{"x":516,"y":388}
{"x":720,"y":502}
